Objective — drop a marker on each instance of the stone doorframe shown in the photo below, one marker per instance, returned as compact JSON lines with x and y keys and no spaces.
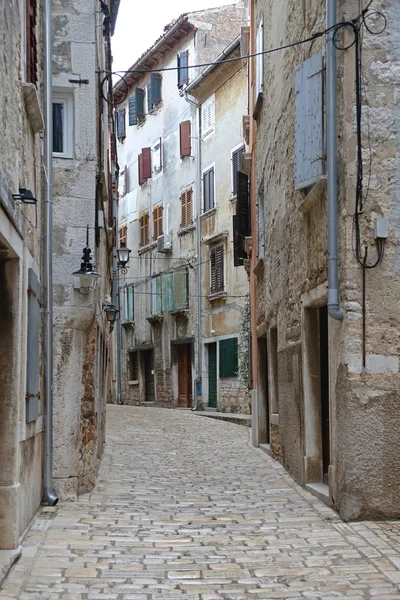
{"x":312,"y":426}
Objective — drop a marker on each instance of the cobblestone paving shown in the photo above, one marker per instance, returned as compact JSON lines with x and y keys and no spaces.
{"x":185,"y":509}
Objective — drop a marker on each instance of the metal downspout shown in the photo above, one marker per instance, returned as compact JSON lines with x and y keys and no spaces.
{"x":334,"y":309}
{"x":49,"y":497}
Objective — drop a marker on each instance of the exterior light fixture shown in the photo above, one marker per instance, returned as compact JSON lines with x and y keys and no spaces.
{"x":123,"y":258}
{"x":25,"y":196}
{"x":86,"y":273}
{"x":111,"y":312}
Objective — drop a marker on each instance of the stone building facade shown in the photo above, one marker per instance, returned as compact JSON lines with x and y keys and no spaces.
{"x":221,"y":93}
{"x":21,"y":260}
{"x":82,"y":197}
{"x":159,"y":192}
{"x":326,"y":397}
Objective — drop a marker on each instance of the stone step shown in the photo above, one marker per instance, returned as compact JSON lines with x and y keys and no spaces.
{"x":237,"y":418}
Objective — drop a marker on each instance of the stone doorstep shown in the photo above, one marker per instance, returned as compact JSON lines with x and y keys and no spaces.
{"x":237,"y":418}
{"x":7,"y":559}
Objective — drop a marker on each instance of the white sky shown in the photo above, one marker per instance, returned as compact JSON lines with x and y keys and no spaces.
{"x":139,"y":25}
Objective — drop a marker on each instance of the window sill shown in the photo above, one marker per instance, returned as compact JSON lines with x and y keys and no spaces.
{"x":209,"y":213}
{"x":185,"y":230}
{"x":128,"y":324}
{"x":155,"y":318}
{"x":257,"y":108}
{"x":313,"y":195}
{"x":217,"y":296}
{"x":182,"y":312}
{"x":32,"y":106}
{"x":143,"y":249}
{"x":132,"y":383}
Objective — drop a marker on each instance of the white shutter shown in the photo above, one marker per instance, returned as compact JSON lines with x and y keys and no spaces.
{"x":259,"y":60}
{"x":208,"y":119}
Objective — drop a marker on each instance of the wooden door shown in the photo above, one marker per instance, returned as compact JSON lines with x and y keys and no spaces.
{"x":184,"y":376}
{"x":324,"y":382}
{"x":149,"y":375}
{"x":212,"y":375}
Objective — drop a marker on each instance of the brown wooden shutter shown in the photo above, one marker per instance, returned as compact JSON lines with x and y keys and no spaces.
{"x":146,"y":153}
{"x":185,"y":140}
{"x":144,"y":229}
{"x":157,"y":222}
{"x":140,"y":169}
{"x":31,"y":41}
{"x":183,"y":209}
{"x":219,"y":268}
{"x":242,"y":206}
{"x":189,"y":209}
{"x":213,"y":271}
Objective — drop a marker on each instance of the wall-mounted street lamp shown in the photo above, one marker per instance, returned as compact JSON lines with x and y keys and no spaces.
{"x":111,"y":312}
{"x":87,"y":274}
{"x":123,"y":259}
{"x":25,"y":196}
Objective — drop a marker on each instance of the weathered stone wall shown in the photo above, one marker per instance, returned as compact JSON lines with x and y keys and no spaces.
{"x":233,"y":396}
{"x":364,"y":472}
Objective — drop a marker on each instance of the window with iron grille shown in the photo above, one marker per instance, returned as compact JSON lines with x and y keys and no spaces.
{"x":236,"y":166}
{"x":157,"y":222}
{"x":123,"y":234}
{"x":31,"y":41}
{"x":217,"y":269}
{"x":144,"y":229}
{"x":186,"y":208}
{"x":208,"y":190}
{"x":133,"y":366}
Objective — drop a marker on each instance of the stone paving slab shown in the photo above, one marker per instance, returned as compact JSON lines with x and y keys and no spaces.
{"x":185,"y":509}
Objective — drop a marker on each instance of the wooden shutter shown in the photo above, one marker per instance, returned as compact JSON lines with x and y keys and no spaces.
{"x":208,"y":185}
{"x":144,"y":229}
{"x":121,"y":123}
{"x":219,"y":268}
{"x":185,"y":141}
{"x":181,"y":290}
{"x":123,"y":231}
{"x":139,"y":97}
{"x":228,"y":358}
{"x":236,"y":166}
{"x":242,"y":205}
{"x":140,"y":169}
{"x":132,"y":111}
{"x":129,"y":306}
{"x":213,"y":271}
{"x":186,"y":208}
{"x":155,"y":85}
{"x":146,"y":153}
{"x":239,"y":253}
{"x":33,"y":349}
{"x":149,"y":98}
{"x":183,"y":70}
{"x":157,"y":222}
{"x":31,"y":41}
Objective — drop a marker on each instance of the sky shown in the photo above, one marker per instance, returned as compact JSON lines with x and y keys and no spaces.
{"x":140,"y":24}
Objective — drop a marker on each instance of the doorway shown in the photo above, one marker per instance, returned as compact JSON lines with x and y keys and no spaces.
{"x":324,"y":385}
{"x":264,"y":392}
{"x":184,"y":375}
{"x":212,"y":375}
{"x":148,"y":363}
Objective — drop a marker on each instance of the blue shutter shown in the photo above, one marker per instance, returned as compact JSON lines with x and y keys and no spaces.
{"x":121,"y":123}
{"x":132,"y":111}
{"x":156,"y":88}
{"x":309,"y":133}
{"x":181,"y":289}
{"x":129,"y":305}
{"x":167,"y":285}
{"x":183,"y":70}
{"x":33,"y":349}
{"x":139,"y":97}
{"x":149,"y":98}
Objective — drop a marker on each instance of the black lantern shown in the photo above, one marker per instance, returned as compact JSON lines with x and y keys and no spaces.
{"x":25,"y":196}
{"x":86,"y":273}
{"x":111,"y":312}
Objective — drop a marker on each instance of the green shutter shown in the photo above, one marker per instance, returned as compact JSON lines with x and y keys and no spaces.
{"x":156,"y":88}
{"x":181,"y":289}
{"x":167,"y":286}
{"x":149,"y":98}
{"x":228,"y":358}
{"x":139,"y":98}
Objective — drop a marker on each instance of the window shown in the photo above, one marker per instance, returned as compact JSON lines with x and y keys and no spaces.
{"x":123,"y":235}
{"x":208,"y":189}
{"x":144,"y":165}
{"x":31,"y":41}
{"x":144,"y":229}
{"x":129,"y":303}
{"x":236,"y":166}
{"x":208,"y":116}
{"x":156,"y":150}
{"x":186,"y":208}
{"x":185,"y":139}
{"x":63,"y":125}
{"x":157,"y":222}
{"x":154,"y":92}
{"x":309,"y":125}
{"x":259,"y":60}
{"x":133,"y":366}
{"x":183,"y":68}
{"x":228,"y":358}
{"x":217,"y":269}
{"x":121,"y":130}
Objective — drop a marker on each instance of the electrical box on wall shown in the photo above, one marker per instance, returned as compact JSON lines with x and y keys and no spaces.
{"x":381,"y":229}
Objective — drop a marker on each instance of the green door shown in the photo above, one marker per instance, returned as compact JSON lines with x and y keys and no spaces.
{"x":212,"y":375}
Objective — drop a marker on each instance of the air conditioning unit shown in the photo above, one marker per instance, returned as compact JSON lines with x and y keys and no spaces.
{"x":164,"y":243}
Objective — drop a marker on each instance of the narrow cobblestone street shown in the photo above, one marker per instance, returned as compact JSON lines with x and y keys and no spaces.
{"x":186,"y":509}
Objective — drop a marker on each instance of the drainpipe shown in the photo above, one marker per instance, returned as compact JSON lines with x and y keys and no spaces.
{"x":49,"y":497}
{"x":334,"y":309}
